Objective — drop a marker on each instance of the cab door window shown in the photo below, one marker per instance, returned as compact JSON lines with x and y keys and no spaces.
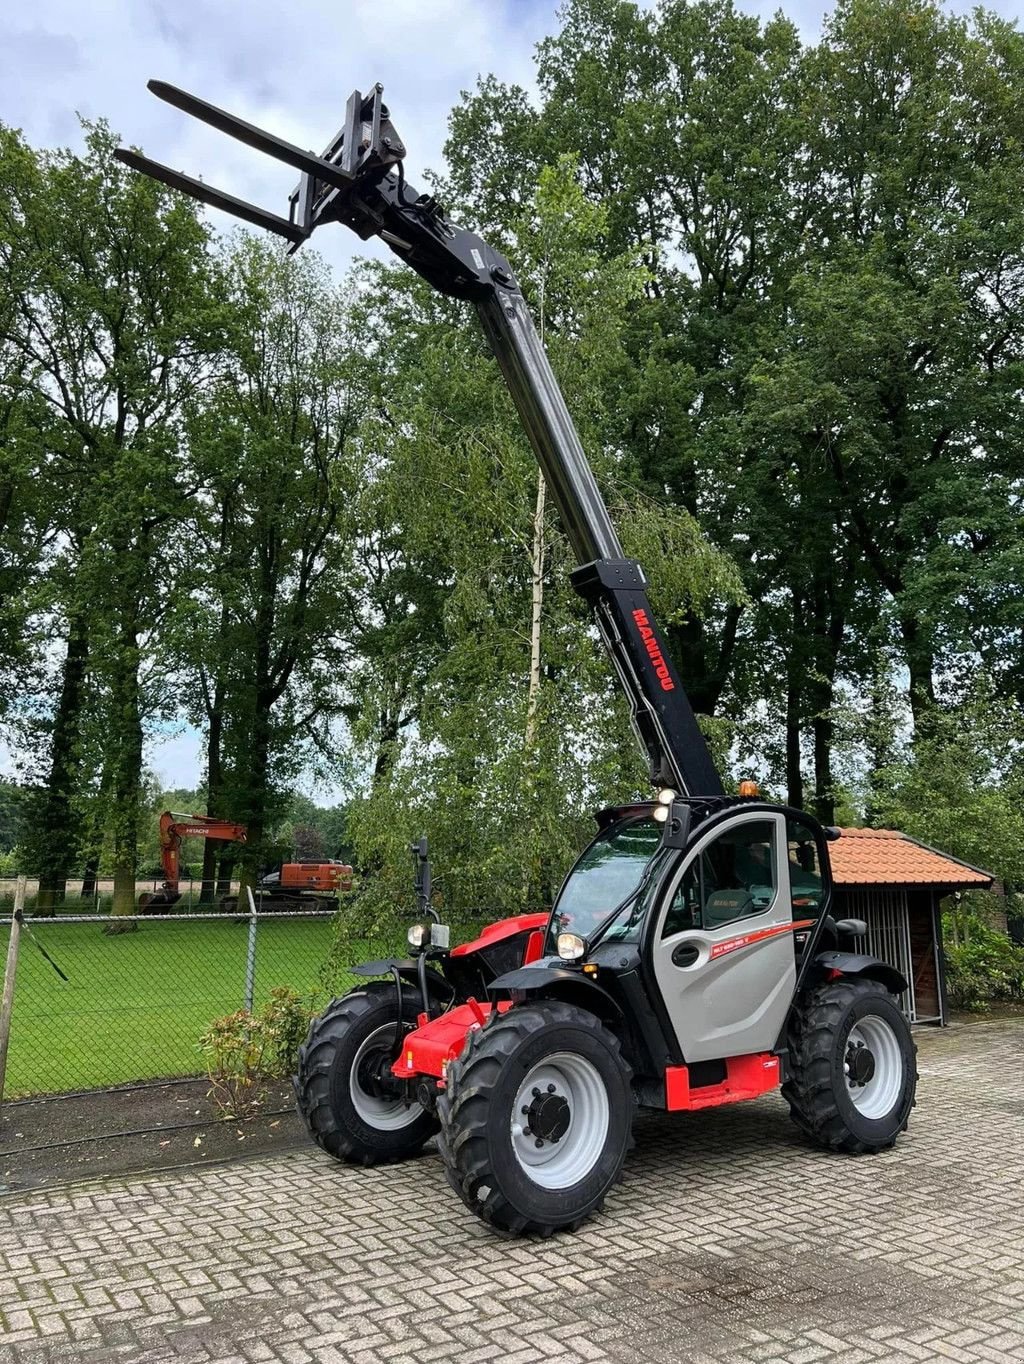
{"x":734,"y":878}
{"x":805,"y":881}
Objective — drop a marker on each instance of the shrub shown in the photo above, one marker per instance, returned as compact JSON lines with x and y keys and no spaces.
{"x":245,"y":1051}
{"x":11,"y":861}
{"x":987,"y":968}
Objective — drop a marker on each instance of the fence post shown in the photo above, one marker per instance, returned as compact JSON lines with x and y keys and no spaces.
{"x":7,"y":1003}
{"x":250,"y":955}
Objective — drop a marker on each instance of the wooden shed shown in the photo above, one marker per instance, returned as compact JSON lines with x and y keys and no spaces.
{"x":895,"y":884}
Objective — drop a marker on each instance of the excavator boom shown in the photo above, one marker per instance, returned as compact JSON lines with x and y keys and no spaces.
{"x":173,"y":828}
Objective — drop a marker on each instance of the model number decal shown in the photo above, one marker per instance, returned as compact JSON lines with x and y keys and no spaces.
{"x":719,"y":949}
{"x":654,"y":649}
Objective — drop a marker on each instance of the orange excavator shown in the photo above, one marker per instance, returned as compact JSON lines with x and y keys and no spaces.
{"x":303,"y":885}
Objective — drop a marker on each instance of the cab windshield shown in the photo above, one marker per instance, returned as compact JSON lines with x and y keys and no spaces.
{"x":607,"y":875}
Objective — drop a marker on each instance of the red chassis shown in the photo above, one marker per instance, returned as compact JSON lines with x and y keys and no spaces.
{"x":428,"y":1050}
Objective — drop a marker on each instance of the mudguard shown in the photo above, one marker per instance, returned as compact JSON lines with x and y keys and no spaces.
{"x":437,"y":986}
{"x":867,"y":968}
{"x":559,"y":982}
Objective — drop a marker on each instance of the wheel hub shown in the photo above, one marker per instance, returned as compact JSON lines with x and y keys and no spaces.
{"x":548,"y":1116}
{"x":559,"y":1120}
{"x":374,"y":1077}
{"x":860,"y":1063}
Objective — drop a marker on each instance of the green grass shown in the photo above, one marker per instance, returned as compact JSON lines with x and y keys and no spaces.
{"x":135,"y":1004}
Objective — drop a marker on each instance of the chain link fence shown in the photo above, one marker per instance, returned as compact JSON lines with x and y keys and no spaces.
{"x":102,"y":1001}
{"x":94,"y":896}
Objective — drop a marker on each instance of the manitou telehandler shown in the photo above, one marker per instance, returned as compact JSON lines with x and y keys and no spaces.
{"x":690,"y":958}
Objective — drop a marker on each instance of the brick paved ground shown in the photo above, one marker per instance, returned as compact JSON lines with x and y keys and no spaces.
{"x":729,"y":1241}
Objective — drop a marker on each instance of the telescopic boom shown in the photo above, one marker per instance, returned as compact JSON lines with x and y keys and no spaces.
{"x":359,"y":181}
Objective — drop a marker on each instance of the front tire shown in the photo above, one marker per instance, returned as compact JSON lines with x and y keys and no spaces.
{"x":536,"y":1118}
{"x":853,"y":1067}
{"x":345,"y":1096}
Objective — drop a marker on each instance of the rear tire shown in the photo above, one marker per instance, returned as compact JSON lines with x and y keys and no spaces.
{"x":347,"y":1112}
{"x":536,"y":1118}
{"x":853,"y":1067}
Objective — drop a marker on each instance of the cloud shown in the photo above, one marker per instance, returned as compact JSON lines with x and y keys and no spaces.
{"x":289,"y":68}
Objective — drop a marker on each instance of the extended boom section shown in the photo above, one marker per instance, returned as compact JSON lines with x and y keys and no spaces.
{"x":359,"y":181}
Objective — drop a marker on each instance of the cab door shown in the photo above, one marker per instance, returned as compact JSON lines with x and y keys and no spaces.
{"x":722,"y":939}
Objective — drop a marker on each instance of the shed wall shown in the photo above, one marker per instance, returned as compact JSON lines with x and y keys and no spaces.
{"x":902,"y":930}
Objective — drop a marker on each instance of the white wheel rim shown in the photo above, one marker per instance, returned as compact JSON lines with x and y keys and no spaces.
{"x":386,"y":1114}
{"x":560,"y":1163}
{"x":879,"y":1094}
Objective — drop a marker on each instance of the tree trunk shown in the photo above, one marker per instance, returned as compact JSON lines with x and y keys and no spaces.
{"x":94,"y":840}
{"x":214,"y":786}
{"x":795,"y":681}
{"x":824,"y":790}
{"x":704,"y":665}
{"x":127,"y":737}
{"x":54,"y":822}
{"x":920,"y":664}
{"x":829,"y":626}
{"x":794,"y":771}
{"x":225,"y":874}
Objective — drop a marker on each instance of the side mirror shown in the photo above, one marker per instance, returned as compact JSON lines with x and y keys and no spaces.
{"x":851,"y":928}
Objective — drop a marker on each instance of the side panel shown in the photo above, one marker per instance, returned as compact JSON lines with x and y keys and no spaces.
{"x":746,"y":1077}
{"x":727,"y":989}
{"x":428,"y":1049}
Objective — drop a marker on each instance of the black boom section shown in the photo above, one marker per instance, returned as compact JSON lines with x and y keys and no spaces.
{"x":661,"y":712}
{"x":358,"y":181}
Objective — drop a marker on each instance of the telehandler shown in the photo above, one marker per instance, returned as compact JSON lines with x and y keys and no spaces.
{"x":690,"y":958}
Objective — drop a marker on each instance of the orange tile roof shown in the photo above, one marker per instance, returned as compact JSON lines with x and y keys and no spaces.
{"x":885,"y":857}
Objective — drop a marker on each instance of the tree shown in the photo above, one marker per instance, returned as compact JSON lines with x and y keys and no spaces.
{"x":960,"y":787}
{"x":112,"y":317}
{"x":825,"y":366}
{"x":11,"y":805}
{"x":518,"y":725}
{"x":906,"y":323}
{"x":274,"y":443}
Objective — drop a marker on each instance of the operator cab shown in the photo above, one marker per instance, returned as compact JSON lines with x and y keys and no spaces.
{"x":736,"y":876}
{"x":712,"y":921}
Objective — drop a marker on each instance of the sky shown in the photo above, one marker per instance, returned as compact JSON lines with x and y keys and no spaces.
{"x":288,"y":67}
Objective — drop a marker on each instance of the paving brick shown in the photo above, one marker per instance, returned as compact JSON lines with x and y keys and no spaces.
{"x":730,"y":1241}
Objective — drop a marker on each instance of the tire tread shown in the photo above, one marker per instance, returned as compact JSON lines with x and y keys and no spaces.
{"x":464,"y":1107}
{"x":312,"y":1081}
{"x":809,"y":1090}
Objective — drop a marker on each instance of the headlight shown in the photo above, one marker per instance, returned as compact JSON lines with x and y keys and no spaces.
{"x":660,"y":814}
{"x":570,"y":946}
{"x":418,"y":934}
{"x":666,"y":795}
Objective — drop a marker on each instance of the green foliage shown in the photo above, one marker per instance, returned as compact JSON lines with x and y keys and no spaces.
{"x":825,"y":366}
{"x":12,"y":800}
{"x":273,"y":442}
{"x":499,"y":768}
{"x":960,"y":787}
{"x":12,"y":861}
{"x":115,"y":313}
{"x":782,"y":285}
{"x":982,"y":969}
{"x":245,"y":1051}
